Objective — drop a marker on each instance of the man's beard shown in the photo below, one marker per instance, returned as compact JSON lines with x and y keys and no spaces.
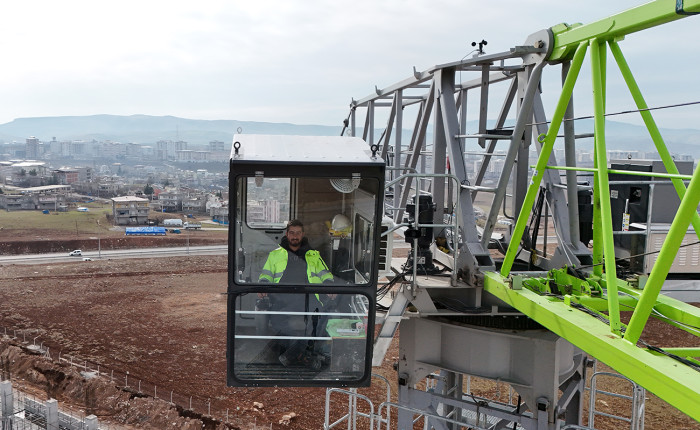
{"x":295,"y":242}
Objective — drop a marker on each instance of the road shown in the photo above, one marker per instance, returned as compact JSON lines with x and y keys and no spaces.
{"x":63,"y":257}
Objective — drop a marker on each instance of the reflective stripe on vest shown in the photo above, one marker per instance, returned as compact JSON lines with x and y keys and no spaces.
{"x":316,"y":270}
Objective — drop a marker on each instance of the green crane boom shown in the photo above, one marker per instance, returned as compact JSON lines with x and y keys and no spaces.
{"x":587,"y":311}
{"x":652,"y":14}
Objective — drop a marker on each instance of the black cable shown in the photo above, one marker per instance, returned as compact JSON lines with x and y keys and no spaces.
{"x":460,"y":306}
{"x":382,"y":291}
{"x":499,"y":245}
{"x":536,"y":216}
{"x":613,"y":113}
{"x":680,"y":359}
{"x":381,"y":137}
{"x":594,"y":314}
{"x":688,"y":363}
{"x":346,"y":123}
{"x":638,"y":255}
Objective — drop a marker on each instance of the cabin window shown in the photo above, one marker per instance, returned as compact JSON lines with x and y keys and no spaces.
{"x":267,"y":202}
{"x":301,"y":314}
{"x":338,"y":223}
{"x":301,"y":337}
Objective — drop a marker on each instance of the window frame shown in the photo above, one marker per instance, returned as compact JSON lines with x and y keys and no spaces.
{"x":242,"y":168}
{"x":289,"y":215}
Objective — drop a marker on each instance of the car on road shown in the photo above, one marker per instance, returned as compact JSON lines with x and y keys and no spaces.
{"x":75,"y":253}
{"x":87,"y":259}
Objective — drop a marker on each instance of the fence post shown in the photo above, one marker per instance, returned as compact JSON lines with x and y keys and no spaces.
{"x":52,"y":414}
{"x":7,"y":400}
{"x":91,"y":423}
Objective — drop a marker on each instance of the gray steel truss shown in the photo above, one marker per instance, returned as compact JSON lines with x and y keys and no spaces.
{"x":547,"y":372}
{"x":441,"y":95}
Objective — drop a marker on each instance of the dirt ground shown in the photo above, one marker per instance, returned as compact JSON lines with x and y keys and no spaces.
{"x":35,"y":241}
{"x":164,"y":321}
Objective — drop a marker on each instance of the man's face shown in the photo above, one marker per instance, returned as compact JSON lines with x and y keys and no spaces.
{"x":294,"y":236}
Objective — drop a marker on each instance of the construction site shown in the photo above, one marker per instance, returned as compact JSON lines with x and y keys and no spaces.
{"x":421,"y":291}
{"x":168,"y":333}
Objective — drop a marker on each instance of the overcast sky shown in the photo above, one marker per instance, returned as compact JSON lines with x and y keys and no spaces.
{"x":291,"y":61}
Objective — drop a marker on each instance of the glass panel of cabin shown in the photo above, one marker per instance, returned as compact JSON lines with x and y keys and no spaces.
{"x":340,"y":225}
{"x":289,"y":336}
{"x":303,"y":327}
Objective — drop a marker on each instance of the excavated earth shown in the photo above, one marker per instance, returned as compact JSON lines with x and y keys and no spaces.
{"x":17,"y":241}
{"x":163,"y":321}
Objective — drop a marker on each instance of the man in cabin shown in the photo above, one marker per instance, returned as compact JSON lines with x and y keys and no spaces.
{"x":295,"y":263}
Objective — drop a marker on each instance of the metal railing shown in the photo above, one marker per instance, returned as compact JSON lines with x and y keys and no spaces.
{"x":352,"y":415}
{"x":638,"y":397}
{"x":20,"y":411}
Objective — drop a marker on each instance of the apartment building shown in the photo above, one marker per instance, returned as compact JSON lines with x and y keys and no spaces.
{"x":130,"y":210}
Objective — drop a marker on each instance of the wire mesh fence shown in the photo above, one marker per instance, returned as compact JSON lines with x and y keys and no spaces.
{"x":134,"y":384}
{"x":29,"y":412}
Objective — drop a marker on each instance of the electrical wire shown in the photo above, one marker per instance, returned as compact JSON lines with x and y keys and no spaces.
{"x":499,"y":245}
{"x":615,"y":113}
{"x":565,"y":250}
{"x":637,"y":255}
{"x":688,"y":363}
{"x":384,"y":289}
{"x":461,"y":307}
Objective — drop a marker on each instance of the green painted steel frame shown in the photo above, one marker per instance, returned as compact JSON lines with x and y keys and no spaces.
{"x":677,"y":384}
{"x":604,"y":336}
{"x":547,"y":145}
{"x":568,"y":38}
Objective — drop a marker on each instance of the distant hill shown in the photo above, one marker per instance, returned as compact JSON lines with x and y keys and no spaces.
{"x":147,"y":129}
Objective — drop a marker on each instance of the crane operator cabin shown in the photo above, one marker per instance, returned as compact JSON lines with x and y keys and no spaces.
{"x":303,"y":243}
